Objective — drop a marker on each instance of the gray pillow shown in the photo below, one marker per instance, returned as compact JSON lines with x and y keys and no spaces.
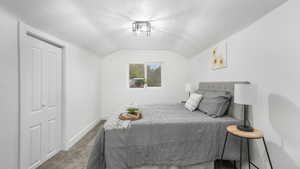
{"x":215,"y":103}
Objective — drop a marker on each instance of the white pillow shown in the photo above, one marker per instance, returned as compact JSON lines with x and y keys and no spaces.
{"x":193,"y":102}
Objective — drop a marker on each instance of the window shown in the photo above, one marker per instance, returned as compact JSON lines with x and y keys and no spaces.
{"x":154,"y":75}
{"x":136,"y":75}
{"x":144,"y":75}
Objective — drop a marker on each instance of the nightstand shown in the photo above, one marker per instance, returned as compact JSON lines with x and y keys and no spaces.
{"x":255,"y":134}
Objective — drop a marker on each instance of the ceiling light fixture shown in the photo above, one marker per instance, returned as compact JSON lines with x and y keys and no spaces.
{"x":141,"y":27}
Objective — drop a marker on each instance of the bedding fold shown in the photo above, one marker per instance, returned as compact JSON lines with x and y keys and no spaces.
{"x":97,"y":156}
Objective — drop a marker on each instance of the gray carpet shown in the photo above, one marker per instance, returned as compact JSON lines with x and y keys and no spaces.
{"x":77,"y":156}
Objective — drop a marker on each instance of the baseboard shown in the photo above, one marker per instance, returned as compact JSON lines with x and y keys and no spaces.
{"x":71,"y":142}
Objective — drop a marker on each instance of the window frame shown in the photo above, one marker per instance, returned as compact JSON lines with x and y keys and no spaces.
{"x":145,"y":75}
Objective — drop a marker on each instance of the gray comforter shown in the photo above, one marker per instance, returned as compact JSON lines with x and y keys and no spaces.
{"x":167,"y":135}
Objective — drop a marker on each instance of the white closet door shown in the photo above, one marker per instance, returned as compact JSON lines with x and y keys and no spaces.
{"x":40,"y":79}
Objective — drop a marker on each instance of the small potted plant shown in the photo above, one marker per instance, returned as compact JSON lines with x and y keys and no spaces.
{"x":132,"y":113}
{"x":132,"y":110}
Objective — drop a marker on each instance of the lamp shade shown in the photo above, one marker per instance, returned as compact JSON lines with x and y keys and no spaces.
{"x":188,"y":87}
{"x":244,"y":94}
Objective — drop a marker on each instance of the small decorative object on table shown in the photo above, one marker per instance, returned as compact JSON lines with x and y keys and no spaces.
{"x":132,"y":114}
{"x":254,"y":134}
{"x":132,"y":110}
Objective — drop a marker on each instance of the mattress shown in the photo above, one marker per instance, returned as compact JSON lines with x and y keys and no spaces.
{"x":167,"y":135}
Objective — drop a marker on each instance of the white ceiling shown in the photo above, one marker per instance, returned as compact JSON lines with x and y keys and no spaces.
{"x":104,"y":26}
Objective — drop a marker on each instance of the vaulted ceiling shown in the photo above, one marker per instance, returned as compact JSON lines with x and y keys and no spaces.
{"x":104,"y":26}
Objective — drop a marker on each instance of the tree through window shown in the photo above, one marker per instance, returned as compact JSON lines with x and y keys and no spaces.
{"x":144,"y":75}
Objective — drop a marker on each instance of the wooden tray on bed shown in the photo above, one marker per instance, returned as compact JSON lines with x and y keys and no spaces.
{"x":126,"y":116}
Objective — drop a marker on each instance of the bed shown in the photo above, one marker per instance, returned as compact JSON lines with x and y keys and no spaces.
{"x":167,"y":135}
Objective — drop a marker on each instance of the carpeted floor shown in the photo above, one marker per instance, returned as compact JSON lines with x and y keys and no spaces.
{"x":77,"y":156}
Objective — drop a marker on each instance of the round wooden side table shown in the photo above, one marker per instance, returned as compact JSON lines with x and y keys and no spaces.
{"x":255,"y":134}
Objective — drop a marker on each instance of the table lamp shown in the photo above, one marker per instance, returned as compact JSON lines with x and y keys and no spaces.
{"x":244,"y":94}
{"x":188,"y":89}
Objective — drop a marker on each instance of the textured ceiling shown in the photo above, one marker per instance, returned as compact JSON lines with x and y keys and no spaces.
{"x":104,"y":26}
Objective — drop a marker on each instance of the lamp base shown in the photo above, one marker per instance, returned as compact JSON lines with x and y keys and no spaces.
{"x":245,"y":128}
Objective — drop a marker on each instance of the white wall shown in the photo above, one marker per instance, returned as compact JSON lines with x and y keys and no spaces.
{"x":81,"y":96}
{"x":115,"y":91}
{"x":266,"y":54}
{"x":8,"y":92}
{"x":82,"y":93}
